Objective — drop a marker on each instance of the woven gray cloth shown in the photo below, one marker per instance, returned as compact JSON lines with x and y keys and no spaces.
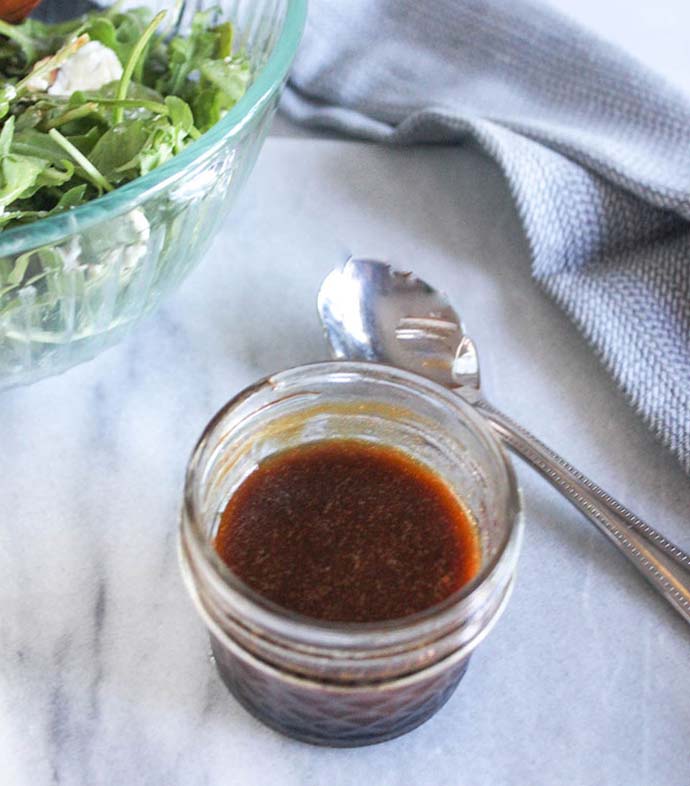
{"x":595,"y":149}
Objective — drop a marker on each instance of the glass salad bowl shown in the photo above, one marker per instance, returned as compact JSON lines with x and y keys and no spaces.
{"x":75,"y":283}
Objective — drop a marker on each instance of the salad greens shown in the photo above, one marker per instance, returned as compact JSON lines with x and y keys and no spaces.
{"x":63,"y":144}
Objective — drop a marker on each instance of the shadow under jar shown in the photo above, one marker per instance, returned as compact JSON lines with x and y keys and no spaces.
{"x":347,"y":684}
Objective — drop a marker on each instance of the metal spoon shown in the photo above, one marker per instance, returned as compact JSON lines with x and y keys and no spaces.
{"x":374,"y":313}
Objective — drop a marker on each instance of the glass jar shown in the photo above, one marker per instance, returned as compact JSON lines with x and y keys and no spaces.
{"x":360,"y":683}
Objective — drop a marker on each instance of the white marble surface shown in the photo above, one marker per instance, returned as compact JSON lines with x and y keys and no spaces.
{"x":105,"y":676}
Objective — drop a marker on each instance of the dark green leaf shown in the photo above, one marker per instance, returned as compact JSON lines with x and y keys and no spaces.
{"x":26,"y":44}
{"x":179,"y":112}
{"x":165,"y":141}
{"x":115,"y":151}
{"x":6,"y":136}
{"x":230,"y":76}
{"x":103,"y":30}
{"x":49,"y":176}
{"x":187,"y":53}
{"x":128,"y":29}
{"x":85,"y":142}
{"x":31,"y":143}
{"x":71,"y":198}
{"x":224,"y":42}
{"x":208,"y":105}
{"x":18,"y":174}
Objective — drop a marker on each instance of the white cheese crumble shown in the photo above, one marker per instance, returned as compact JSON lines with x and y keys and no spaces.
{"x":131,"y":237}
{"x":89,"y":68}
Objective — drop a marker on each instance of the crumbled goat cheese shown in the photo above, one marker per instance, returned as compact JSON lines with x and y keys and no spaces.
{"x":89,"y":68}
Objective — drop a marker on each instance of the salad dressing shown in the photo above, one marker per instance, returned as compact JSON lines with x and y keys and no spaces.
{"x":348,"y":531}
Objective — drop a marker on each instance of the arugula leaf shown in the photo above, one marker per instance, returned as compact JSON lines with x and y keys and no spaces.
{"x":28,"y":45}
{"x":225,"y":33}
{"x":31,"y":143}
{"x":118,"y":147}
{"x":223,"y":84}
{"x":102,"y":29}
{"x":135,"y":92}
{"x":85,"y":142}
{"x":230,"y":76}
{"x":208,"y":105}
{"x":52,"y":32}
{"x":21,"y":176}
{"x":129,"y":27}
{"x":58,"y":152}
{"x":186,"y":53}
{"x":6,"y":136}
{"x":51,"y":176}
{"x":165,"y":141}
{"x":74,"y":197}
{"x":18,"y":177}
{"x":71,"y":198}
{"x":138,"y":98}
{"x":127,"y":151}
{"x":133,"y":62}
{"x":87,"y":167}
{"x":180,"y":113}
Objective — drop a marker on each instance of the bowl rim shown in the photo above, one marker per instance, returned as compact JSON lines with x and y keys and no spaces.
{"x":52,"y":229}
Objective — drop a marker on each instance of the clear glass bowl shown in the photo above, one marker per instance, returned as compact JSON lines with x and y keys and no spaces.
{"x":73,"y":284}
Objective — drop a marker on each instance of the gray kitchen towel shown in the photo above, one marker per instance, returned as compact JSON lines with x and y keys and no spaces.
{"x":595,"y":149}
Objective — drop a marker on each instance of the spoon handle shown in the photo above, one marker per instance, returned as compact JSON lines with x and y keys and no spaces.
{"x":663,"y":564}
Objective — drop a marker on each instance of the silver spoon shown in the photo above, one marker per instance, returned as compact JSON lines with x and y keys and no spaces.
{"x":374,"y":313}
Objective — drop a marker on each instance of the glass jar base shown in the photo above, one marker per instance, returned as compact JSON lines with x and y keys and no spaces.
{"x":320,"y":714}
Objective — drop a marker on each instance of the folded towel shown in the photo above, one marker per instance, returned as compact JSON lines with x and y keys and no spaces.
{"x":595,"y":149}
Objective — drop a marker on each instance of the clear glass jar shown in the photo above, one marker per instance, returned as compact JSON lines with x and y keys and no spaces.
{"x":334,"y":683}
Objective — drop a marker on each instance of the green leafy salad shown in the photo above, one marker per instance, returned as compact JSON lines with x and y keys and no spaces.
{"x":92,"y":103}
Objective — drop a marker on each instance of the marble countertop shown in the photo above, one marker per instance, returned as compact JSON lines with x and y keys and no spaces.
{"x":105,"y":674}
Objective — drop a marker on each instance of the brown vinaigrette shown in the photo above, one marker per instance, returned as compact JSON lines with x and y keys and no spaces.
{"x":347,"y":531}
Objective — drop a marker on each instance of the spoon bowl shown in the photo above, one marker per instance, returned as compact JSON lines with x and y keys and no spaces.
{"x":370,"y":312}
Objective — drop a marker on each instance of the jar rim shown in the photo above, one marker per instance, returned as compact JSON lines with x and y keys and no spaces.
{"x":195,"y":543}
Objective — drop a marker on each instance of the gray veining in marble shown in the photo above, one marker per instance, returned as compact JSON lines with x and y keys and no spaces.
{"x":105,"y":676}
